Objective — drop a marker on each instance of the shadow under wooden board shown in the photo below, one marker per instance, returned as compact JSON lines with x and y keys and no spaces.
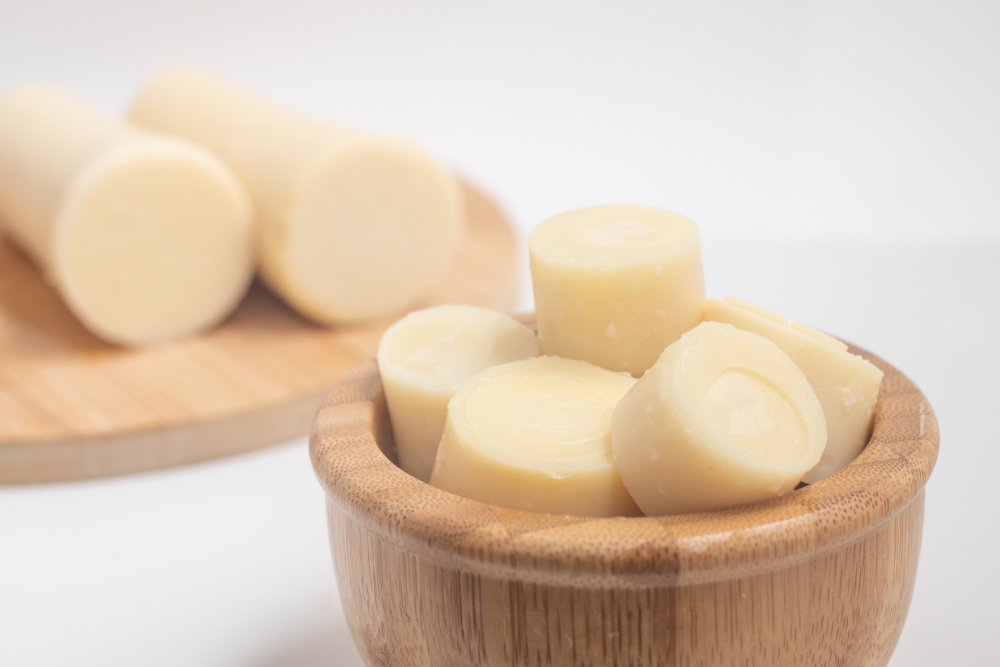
{"x":73,"y":407}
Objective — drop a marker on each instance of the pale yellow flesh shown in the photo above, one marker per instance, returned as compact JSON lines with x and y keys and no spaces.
{"x":147,"y":238}
{"x":426,"y":356}
{"x":787,"y":322}
{"x":350,"y":226}
{"x":535,"y":435}
{"x":723,"y":418}
{"x":614,"y":285}
{"x":846,"y":385}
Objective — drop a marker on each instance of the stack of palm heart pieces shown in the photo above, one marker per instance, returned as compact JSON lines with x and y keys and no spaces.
{"x":637,"y":396}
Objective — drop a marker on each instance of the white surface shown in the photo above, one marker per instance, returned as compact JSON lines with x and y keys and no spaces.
{"x":851,"y":147}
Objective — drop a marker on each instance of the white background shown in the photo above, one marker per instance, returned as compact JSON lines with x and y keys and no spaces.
{"x":842,"y":161}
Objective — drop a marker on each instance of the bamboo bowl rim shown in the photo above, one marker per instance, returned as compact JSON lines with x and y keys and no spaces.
{"x":351,"y":445}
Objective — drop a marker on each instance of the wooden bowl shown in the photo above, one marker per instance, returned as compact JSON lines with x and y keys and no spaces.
{"x":820,"y":576}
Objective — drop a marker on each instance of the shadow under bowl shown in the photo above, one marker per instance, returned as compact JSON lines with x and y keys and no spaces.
{"x":819,"y":576}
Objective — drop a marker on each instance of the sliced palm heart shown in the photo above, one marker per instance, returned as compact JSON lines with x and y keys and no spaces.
{"x":426,"y":356}
{"x":846,"y":385}
{"x":722,"y":418}
{"x":535,"y":435}
{"x":614,"y":285}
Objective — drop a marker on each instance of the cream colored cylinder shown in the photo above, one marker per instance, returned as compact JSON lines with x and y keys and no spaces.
{"x":534,"y":435}
{"x":845,"y":384}
{"x":146,"y":237}
{"x":614,"y":285}
{"x":351,"y":226}
{"x":723,"y":418}
{"x":426,"y":356}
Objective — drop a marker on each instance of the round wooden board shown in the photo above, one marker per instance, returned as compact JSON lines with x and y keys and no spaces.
{"x":73,"y":407}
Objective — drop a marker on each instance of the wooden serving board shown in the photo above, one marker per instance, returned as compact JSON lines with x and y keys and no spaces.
{"x":73,"y":407}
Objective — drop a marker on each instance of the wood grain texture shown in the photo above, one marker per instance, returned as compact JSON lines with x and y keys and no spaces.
{"x":73,"y":407}
{"x":821,"y":576}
